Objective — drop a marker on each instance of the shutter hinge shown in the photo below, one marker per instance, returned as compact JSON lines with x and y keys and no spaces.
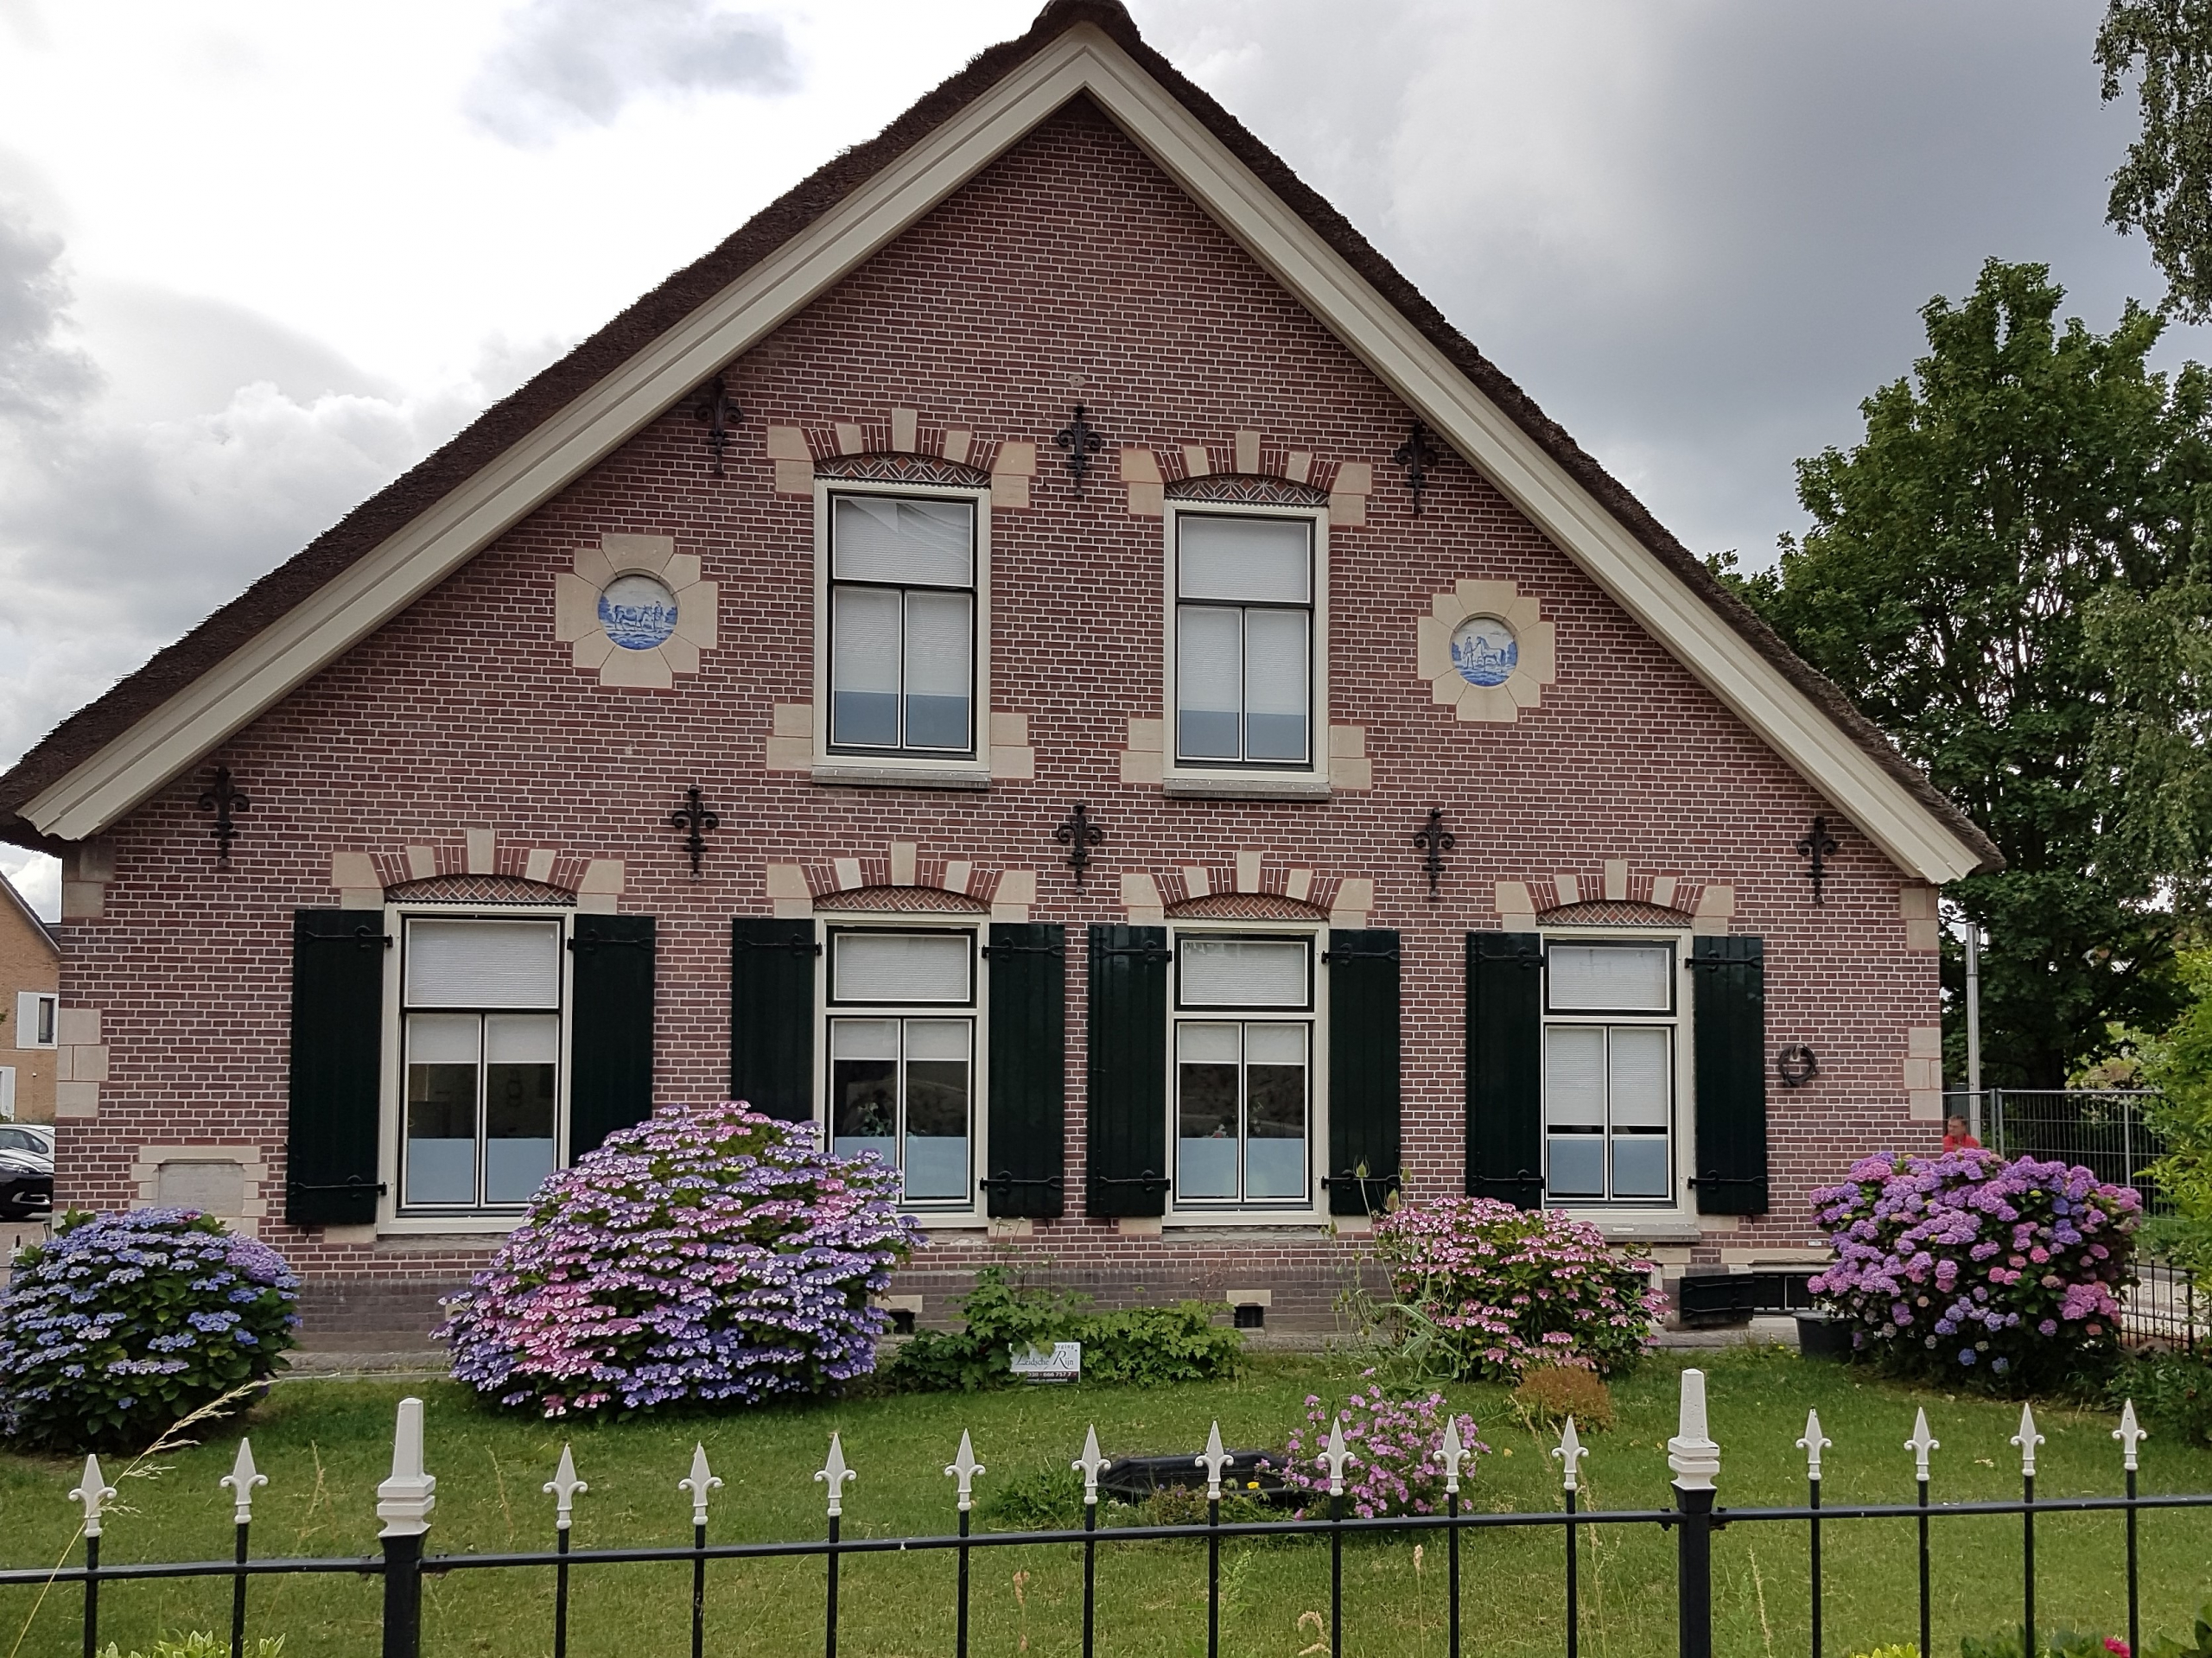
{"x":1000,"y":1182}
{"x":1025,"y":949}
{"x":370,"y":938}
{"x":353,"y":1183}
{"x":1148,"y":1180}
{"x":804,"y":946}
{"x":593,"y":943}
{"x":1332,"y":955}
{"x":1141,"y":952}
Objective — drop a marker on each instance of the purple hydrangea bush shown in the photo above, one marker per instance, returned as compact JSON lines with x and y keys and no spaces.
{"x":1496,"y":1289}
{"x":709,"y":1254}
{"x":1396,"y":1449}
{"x":119,"y":1325}
{"x":1966,"y":1264}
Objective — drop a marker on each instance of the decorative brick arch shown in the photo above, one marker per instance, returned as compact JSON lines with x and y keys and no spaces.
{"x":1252,"y":463}
{"x":1614,"y":896}
{"x":476,"y":866}
{"x":799,"y":452}
{"x":901,"y":878}
{"x":1251,"y":882}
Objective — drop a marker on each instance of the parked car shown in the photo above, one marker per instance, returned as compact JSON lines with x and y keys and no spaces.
{"x":35,"y":1137}
{"x":26,"y":1185}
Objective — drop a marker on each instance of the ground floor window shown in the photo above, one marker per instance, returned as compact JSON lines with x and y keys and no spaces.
{"x":902,"y":1055}
{"x":1609,"y":1061}
{"x":481,"y":1042}
{"x":1242,"y":1055}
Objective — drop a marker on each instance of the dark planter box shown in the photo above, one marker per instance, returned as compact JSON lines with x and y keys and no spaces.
{"x":1822,"y":1336}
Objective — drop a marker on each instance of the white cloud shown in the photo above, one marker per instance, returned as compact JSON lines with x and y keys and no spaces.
{"x":565,"y":64}
{"x":36,"y":876}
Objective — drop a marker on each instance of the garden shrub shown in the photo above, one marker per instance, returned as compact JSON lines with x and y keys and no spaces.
{"x":1488,"y":1290}
{"x":2172,"y":1389}
{"x":2049,"y":1643}
{"x":119,"y":1325}
{"x":1967,"y":1264}
{"x":1552,"y":1393}
{"x":709,"y":1254}
{"x":201,"y":1644}
{"x":2196,"y":1643}
{"x":1902,"y":1649}
{"x":1396,"y":1447}
{"x":1150,"y":1346}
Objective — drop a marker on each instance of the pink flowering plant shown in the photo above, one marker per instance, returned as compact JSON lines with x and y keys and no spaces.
{"x":1396,"y":1449}
{"x":709,"y":1254}
{"x":1486,"y":1289}
{"x":1966,"y":1264}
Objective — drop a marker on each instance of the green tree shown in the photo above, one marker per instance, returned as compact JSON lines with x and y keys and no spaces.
{"x":2023,"y":469}
{"x":2165,"y":187}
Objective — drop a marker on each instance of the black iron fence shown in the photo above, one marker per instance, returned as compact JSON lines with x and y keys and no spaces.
{"x":406,"y":1500}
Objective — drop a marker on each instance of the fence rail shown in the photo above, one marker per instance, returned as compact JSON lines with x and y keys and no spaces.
{"x":406,"y":1500}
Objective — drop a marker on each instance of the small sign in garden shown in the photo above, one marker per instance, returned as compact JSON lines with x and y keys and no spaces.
{"x":1063,"y":1363}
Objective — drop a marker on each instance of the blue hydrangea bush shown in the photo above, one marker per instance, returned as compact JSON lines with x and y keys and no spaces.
{"x":121,"y":1324}
{"x":709,"y":1254}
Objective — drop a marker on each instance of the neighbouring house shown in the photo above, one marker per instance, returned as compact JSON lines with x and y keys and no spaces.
{"x":30,"y":1009}
{"x":1045,"y":655}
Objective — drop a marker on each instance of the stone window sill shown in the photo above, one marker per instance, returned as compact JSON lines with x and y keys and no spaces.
{"x":1255,"y":786}
{"x":974,"y":779}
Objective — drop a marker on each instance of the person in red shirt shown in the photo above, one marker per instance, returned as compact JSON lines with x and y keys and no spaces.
{"x":1957,"y":1139}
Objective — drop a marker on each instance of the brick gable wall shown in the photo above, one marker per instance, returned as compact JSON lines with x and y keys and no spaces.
{"x":1072,"y":270}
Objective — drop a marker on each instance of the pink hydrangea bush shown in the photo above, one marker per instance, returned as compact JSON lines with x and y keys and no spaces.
{"x":1967,"y":1264}
{"x":1397,"y":1453}
{"x":709,"y":1254}
{"x":1496,"y":1289}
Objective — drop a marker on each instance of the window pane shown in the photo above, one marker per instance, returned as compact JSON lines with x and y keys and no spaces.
{"x":440,"y":1164}
{"x":939,"y":654}
{"x":1206,"y":1109}
{"x":899,"y":966}
{"x":1578,"y":1166}
{"x":1214,"y":1043}
{"x":1279,"y":1045}
{"x":1243,"y":971}
{"x":1640,"y":1165}
{"x":1574,"y":1075}
{"x":888,"y":538}
{"x":1638,"y":1061}
{"x":864,"y":1038}
{"x":1276,"y":681}
{"x":1209,"y":681}
{"x":1275,"y":1110}
{"x":483,"y":964}
{"x":1610,"y":978}
{"x":864,"y":629}
{"x":936,"y":1152}
{"x":864,"y":1087}
{"x":1266,"y":559}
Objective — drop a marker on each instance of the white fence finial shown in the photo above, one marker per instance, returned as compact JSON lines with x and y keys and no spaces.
{"x":1921,"y":1443}
{"x":404,"y":1501}
{"x":1812,"y":1444}
{"x":563,"y":1487}
{"x":1333,"y":1457}
{"x":2027,"y":1439}
{"x":1213,"y":1462}
{"x":1692,"y":1456}
{"x":701,"y":1481}
{"x":1570,"y":1451}
{"x":964,"y":1468}
{"x":835,"y":1473}
{"x":1454,"y":1453}
{"x":2129,"y":1435}
{"x":241,"y":1480}
{"x":1092,"y":1465}
{"x":95,"y":1493}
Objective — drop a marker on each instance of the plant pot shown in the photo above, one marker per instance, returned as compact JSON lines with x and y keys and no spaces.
{"x":1822,"y":1336}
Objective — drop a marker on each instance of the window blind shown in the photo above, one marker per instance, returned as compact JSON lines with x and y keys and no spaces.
{"x":1610,"y":978}
{"x":1269,"y":561}
{"x":483,"y":964}
{"x":1244,"y":972}
{"x":900,"y":967}
{"x":887,"y":538}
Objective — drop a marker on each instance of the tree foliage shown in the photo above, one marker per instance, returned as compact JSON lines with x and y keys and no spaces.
{"x":2027,"y":477}
{"x":2165,"y":187}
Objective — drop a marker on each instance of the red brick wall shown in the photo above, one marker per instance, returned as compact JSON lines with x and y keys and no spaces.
{"x":1071,"y":270}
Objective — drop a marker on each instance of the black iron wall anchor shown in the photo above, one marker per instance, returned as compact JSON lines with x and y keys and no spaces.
{"x":1416,"y":455}
{"x":1432,"y":841}
{"x":227,"y":801}
{"x":1796,"y":1065}
{"x":1078,"y":835}
{"x":1819,"y":846}
{"x":722,"y":417}
{"x":1081,"y":443}
{"x":695,"y":820}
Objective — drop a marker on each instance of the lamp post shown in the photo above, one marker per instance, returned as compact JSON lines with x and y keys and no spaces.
{"x":1968,"y":933}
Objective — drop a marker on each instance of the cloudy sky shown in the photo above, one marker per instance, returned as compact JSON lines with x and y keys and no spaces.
{"x":259,"y":256}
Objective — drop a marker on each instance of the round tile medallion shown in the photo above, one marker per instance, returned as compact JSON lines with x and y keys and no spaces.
{"x":639,"y":611}
{"x":1484,"y":651}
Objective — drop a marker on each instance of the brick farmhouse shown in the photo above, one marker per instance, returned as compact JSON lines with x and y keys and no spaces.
{"x":1185,"y":748}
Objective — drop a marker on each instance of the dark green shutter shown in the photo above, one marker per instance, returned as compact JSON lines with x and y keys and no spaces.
{"x":1729,"y":1012}
{"x":610,"y":1070}
{"x":1362,"y":1070}
{"x":1028,"y":1109}
{"x":772,"y":1015}
{"x":337,"y":1054}
{"x":1125,"y":1131}
{"x":1505,"y":1036}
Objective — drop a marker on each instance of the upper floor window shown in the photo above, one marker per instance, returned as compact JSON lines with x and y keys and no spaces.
{"x":902,"y":1055}
{"x":37,"y":1014}
{"x":481,"y":1039}
{"x":1244,"y":1047}
{"x":1243,"y":646}
{"x":1610,"y":1036}
{"x":902,"y":621}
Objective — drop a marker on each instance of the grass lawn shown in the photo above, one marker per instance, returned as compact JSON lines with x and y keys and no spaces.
{"x":324,"y":1444}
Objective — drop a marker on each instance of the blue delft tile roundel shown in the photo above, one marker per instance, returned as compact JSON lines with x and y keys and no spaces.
{"x":1484,"y":650}
{"x":640,"y":612}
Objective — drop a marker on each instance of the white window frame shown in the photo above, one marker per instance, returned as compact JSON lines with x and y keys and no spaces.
{"x":833,"y":765}
{"x":7,"y":1093}
{"x":392,"y":1110}
{"x":1219,"y":1212}
{"x":1628,"y":1214}
{"x":934,"y":1214}
{"x":1247,"y":774}
{"x":27,"y":1019}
